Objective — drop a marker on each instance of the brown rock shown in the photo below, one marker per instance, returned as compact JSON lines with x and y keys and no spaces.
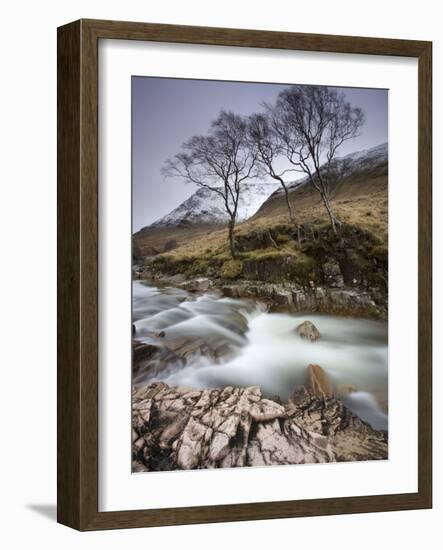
{"x":318,"y":381}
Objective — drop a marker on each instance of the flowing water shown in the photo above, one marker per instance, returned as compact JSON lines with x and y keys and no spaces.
{"x":262,"y":349}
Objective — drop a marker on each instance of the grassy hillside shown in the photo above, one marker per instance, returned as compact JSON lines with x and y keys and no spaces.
{"x":153,"y":241}
{"x":361,"y":201}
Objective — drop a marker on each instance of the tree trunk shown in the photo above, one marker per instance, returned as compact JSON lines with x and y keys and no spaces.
{"x":333,"y":220}
{"x":290,"y":213}
{"x":231,"y":227}
{"x":288,"y":204}
{"x":299,"y":236}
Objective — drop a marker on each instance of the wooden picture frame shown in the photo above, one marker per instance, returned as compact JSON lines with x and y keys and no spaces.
{"x":78,"y":274}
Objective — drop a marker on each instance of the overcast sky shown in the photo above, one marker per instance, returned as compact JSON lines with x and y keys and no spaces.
{"x":167,"y":111}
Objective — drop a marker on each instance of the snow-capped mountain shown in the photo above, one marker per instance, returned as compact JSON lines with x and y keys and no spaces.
{"x":366,"y":159}
{"x":206,"y":206}
{"x":361,"y":162}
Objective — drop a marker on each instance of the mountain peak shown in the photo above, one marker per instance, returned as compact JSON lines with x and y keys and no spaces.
{"x":206,"y":206}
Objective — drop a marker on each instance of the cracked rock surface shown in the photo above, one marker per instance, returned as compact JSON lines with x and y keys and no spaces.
{"x":181,"y":428}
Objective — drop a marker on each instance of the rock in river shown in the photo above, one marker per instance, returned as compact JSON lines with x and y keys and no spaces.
{"x":142,"y":354}
{"x":308,"y":331}
{"x":319,"y":382}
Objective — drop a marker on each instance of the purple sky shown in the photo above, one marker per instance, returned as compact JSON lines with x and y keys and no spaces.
{"x":167,"y":111}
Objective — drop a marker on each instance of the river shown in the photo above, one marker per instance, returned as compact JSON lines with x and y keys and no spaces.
{"x":262,"y":349}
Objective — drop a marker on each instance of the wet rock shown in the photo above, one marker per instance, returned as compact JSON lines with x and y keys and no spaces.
{"x":150,"y":360}
{"x":196,"y":285}
{"x":304,"y":300}
{"x":142,"y":354}
{"x":189,"y":347}
{"x":318,"y":381}
{"x":350,"y":438}
{"x":282,"y":297}
{"x":181,"y":428}
{"x":232,"y":291}
{"x":234,"y":322}
{"x":357,"y":302}
{"x":169,"y":351}
{"x":177,"y":279}
{"x":308,"y":331}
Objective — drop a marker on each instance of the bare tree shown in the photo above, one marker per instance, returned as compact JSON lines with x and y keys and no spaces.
{"x":312,"y":123}
{"x":220,"y":161}
{"x":269,"y":147}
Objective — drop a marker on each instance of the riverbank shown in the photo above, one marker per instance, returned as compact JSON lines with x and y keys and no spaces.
{"x":341,"y":275}
{"x":286,"y":297}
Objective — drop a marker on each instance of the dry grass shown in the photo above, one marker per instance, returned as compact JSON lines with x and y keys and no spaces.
{"x":360,"y":203}
{"x":369,"y":213}
{"x":154,"y":241}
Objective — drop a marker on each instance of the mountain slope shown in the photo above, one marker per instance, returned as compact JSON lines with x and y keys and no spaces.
{"x":360,"y":173}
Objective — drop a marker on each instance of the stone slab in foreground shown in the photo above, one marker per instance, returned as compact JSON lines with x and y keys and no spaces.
{"x":181,"y":428}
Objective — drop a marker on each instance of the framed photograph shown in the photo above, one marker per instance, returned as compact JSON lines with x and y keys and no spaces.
{"x":244,"y":275}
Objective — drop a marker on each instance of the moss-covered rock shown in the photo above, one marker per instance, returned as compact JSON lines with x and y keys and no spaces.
{"x":231,"y":269}
{"x":257,"y":239}
{"x":276,"y":268}
{"x":169,"y":264}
